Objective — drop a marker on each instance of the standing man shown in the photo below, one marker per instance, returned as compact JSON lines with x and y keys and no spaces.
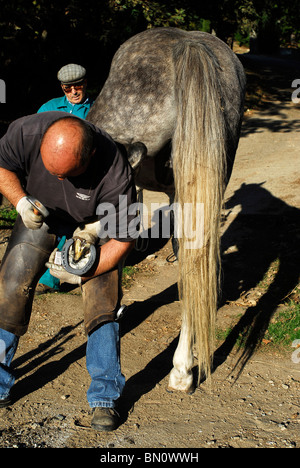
{"x":72,"y":168}
{"x":75,"y":101}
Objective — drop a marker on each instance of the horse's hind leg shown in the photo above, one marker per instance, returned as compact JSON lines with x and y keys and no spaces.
{"x":181,"y":376}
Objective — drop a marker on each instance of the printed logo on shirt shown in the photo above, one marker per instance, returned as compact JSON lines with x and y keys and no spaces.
{"x":83,"y":197}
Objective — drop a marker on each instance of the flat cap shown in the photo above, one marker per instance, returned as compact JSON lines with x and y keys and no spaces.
{"x":71,"y":73}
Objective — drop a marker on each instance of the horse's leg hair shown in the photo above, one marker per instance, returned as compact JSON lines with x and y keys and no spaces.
{"x":181,"y":376}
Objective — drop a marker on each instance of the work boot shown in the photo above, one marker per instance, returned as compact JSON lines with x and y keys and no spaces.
{"x":105,"y":419}
{"x":4,"y":402}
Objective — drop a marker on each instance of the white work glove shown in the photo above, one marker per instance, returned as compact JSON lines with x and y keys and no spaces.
{"x":29,"y":218}
{"x":58,"y":271}
{"x":88,"y":232}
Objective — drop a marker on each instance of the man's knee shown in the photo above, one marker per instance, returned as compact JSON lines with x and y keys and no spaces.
{"x":101,"y":299}
{"x":22,"y":265}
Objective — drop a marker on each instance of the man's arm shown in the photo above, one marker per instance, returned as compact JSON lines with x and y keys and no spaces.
{"x":10,"y":186}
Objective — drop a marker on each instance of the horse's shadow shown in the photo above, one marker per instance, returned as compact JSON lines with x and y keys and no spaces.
{"x":265,"y":230}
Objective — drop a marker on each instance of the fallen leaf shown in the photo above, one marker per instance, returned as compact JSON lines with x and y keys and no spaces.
{"x":266,"y":341}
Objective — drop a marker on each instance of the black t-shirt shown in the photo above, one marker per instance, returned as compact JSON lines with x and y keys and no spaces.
{"x":74,"y":200}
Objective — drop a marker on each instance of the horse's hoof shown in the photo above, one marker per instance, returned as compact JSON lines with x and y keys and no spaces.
{"x":189,"y":391}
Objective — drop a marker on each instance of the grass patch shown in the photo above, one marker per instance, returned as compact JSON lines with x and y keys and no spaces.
{"x":284,"y":327}
{"x":222,"y":334}
{"x":128,"y":276}
{"x":7,"y":217}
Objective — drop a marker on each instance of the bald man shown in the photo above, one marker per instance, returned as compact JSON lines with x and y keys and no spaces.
{"x":72,"y":168}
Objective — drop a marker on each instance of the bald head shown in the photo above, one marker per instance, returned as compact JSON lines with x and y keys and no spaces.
{"x":67,"y":147}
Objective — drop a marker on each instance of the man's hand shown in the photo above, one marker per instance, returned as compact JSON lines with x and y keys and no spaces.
{"x":88,"y":232}
{"x":29,"y":218}
{"x":58,"y":271}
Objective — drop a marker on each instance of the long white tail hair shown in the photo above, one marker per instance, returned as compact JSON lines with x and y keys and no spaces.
{"x":199,"y":162}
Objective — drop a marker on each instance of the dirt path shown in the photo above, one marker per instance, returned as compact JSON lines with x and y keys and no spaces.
{"x":254,"y":398}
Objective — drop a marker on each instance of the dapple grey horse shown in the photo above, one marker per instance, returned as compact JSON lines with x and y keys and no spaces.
{"x":179,"y":96}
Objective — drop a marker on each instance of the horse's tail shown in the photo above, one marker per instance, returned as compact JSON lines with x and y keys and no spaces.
{"x":199,"y":162}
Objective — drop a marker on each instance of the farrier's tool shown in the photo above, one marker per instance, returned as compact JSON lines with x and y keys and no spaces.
{"x":38,"y":207}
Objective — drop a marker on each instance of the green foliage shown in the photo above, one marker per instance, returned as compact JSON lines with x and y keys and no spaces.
{"x":282,"y":331}
{"x":243,"y":39}
{"x":7,"y":217}
{"x":128,"y":275}
{"x":37,"y":37}
{"x":284,"y":327}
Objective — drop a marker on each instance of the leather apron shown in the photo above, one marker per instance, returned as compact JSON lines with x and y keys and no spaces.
{"x":22,"y":266}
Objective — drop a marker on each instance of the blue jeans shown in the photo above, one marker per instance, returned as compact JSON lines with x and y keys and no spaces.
{"x":8,"y":346}
{"x":102,"y":360}
{"x":103,"y":365}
